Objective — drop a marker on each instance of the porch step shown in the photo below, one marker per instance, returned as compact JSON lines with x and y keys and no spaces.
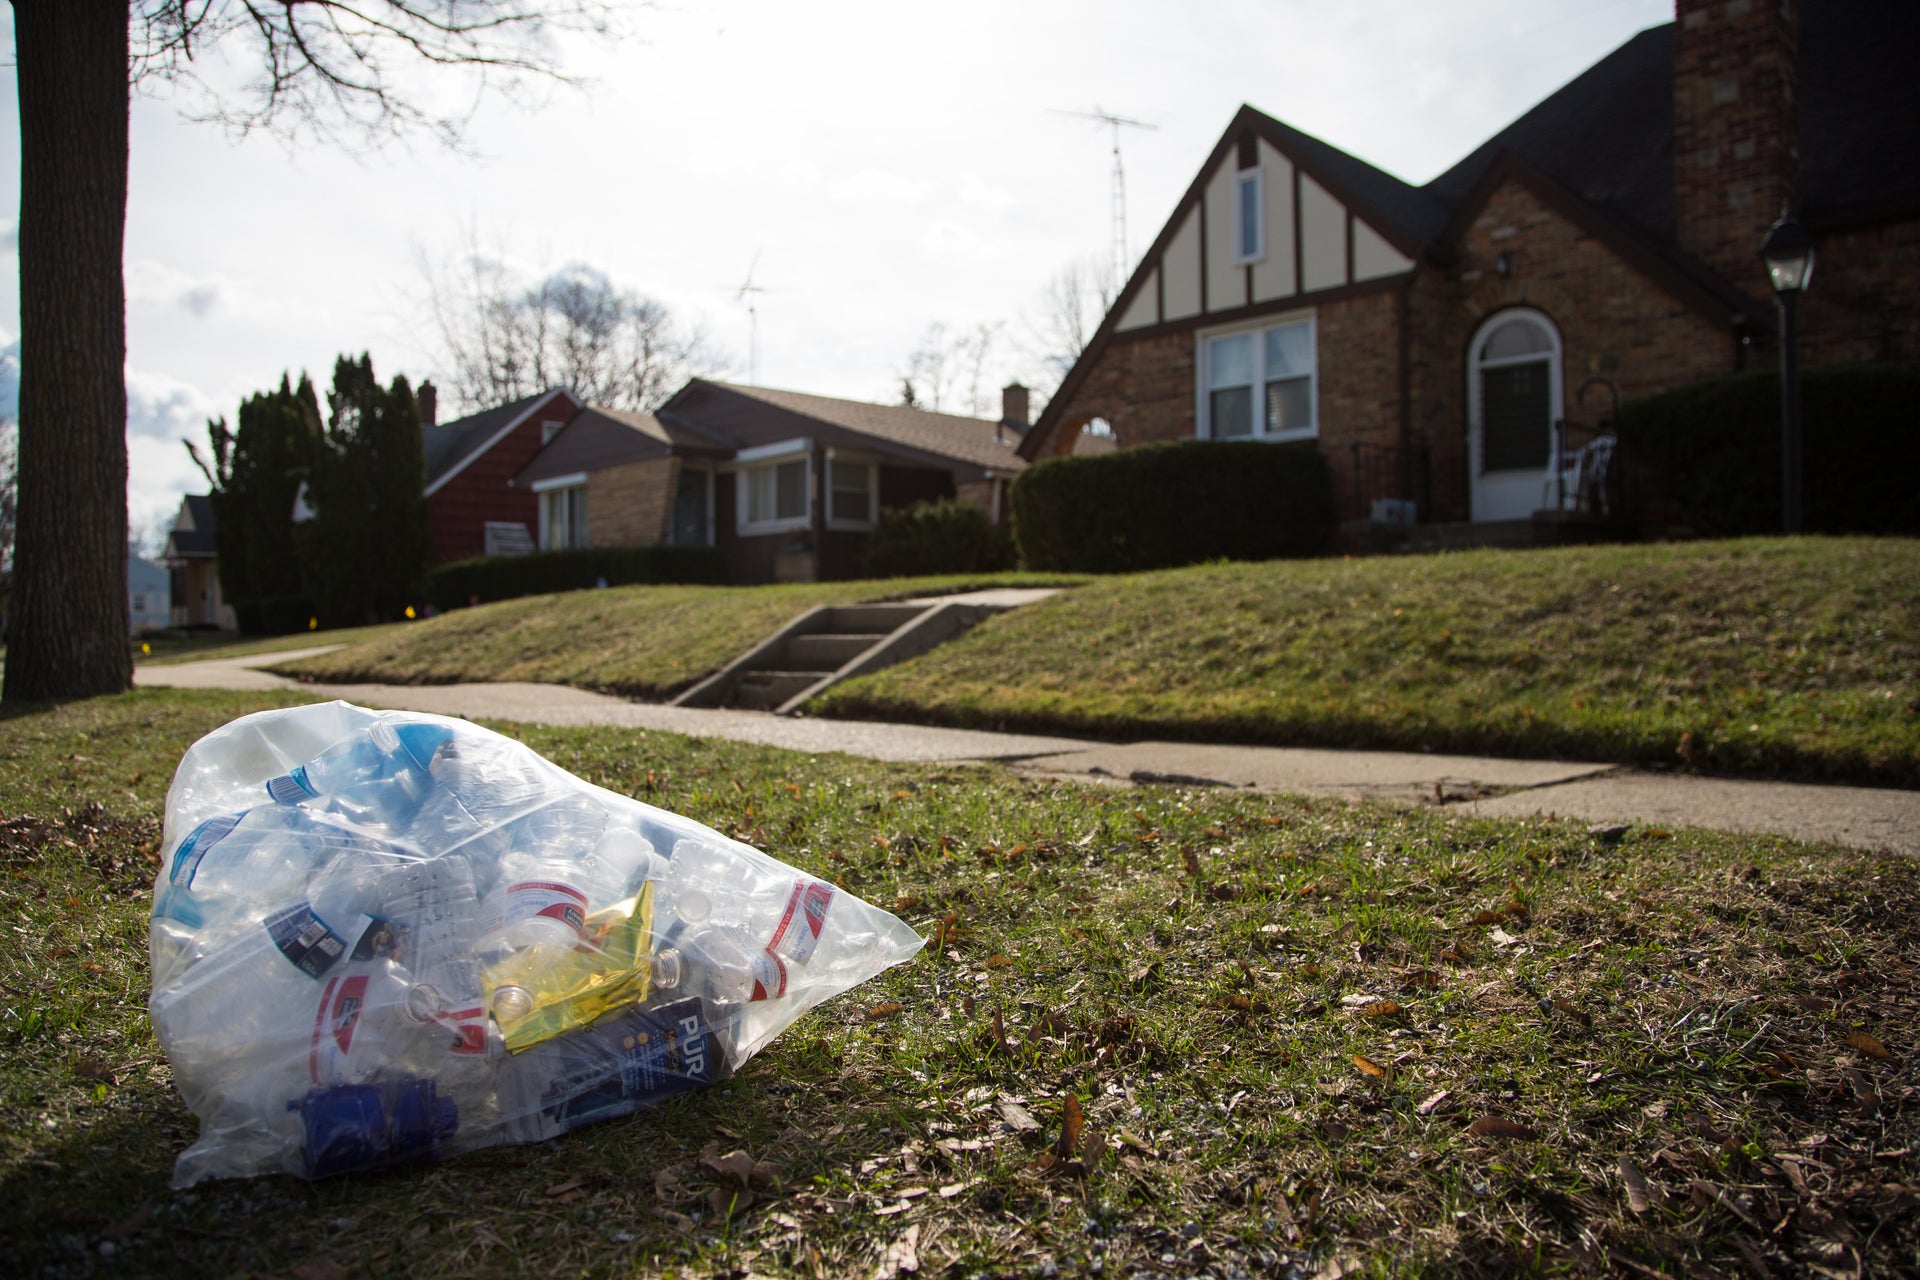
{"x":826,"y":651}
{"x":765,"y":690}
{"x":1464,"y":535}
{"x":870,"y":619}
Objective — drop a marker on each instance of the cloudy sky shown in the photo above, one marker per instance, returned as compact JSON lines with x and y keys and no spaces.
{"x":889,"y":166}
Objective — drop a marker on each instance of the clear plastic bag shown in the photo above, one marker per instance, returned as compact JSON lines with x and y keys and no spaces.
{"x":382,"y":937}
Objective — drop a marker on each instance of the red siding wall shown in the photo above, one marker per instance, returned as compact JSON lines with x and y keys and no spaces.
{"x":459,"y":511}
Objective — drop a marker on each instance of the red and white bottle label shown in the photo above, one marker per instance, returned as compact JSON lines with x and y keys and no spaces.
{"x":804,"y":920}
{"x":334,"y":1023}
{"x":548,"y":898}
{"x":769,"y":976}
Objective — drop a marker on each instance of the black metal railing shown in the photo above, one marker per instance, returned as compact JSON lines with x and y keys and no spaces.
{"x":1383,"y":471}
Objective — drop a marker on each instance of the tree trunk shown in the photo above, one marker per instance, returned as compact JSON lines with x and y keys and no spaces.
{"x":67,"y":636}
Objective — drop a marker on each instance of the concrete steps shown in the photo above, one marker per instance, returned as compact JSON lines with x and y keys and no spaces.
{"x":827,"y":645}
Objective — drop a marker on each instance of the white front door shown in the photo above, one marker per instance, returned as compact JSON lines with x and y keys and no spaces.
{"x":1513,"y":399}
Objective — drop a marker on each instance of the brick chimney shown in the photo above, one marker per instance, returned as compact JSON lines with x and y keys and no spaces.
{"x":1736,"y":156}
{"x":429,"y":398}
{"x":1014,"y":409}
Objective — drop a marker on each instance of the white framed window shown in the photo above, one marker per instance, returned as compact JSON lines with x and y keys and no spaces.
{"x":1249,"y":217}
{"x":548,"y":430}
{"x":563,"y":518}
{"x":775,"y":488}
{"x":1259,"y":382}
{"x":853,"y":492}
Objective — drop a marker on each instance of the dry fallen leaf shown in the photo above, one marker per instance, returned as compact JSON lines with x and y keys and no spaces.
{"x":998,"y":962}
{"x":1501,"y":938}
{"x":1432,"y":1101}
{"x":1422,"y":978}
{"x":1495,"y":1127}
{"x":1071,"y":1123}
{"x":1382,"y":1009}
{"x":1636,"y":1186}
{"x":1567,"y":1007}
{"x":1867,"y":1044}
{"x":885,"y":1010}
{"x":1369,"y":1066}
{"x":1487,"y":917}
{"x":1018,"y":1118}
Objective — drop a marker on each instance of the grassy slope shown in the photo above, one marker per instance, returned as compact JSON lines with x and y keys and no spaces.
{"x":642,"y":641}
{"x":1754,"y":656}
{"x":1197,"y":969}
{"x":172,"y":648}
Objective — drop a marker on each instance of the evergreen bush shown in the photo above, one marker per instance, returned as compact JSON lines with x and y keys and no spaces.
{"x":1713,"y":448}
{"x":926,"y":538}
{"x":488,"y":578}
{"x":1161,"y":505}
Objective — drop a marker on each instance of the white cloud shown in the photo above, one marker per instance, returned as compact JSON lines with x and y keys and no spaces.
{"x":162,"y":407}
{"x":977,"y":193}
{"x":872,"y":186}
{"x":159,"y":285}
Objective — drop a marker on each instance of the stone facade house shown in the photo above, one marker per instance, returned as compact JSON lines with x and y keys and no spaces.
{"x":1451,"y":345}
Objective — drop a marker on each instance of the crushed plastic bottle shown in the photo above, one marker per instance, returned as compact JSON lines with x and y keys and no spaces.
{"x":381,"y":938}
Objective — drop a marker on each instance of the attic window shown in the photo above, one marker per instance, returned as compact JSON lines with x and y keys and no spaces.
{"x":548,"y":430}
{"x":1249,"y":240}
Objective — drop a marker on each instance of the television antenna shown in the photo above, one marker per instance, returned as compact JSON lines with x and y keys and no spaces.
{"x":1121,"y":258}
{"x":744,"y":296}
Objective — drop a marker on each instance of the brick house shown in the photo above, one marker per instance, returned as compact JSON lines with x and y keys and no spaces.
{"x":787,"y":485}
{"x":1451,"y":344}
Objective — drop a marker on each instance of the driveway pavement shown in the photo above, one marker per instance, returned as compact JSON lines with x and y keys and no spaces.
{"x":1862,"y":817}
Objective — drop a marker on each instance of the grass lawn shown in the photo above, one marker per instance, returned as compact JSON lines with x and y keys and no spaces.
{"x":172,"y":647}
{"x":1763,"y":656}
{"x":1305,"y":1039}
{"x":648,"y":642}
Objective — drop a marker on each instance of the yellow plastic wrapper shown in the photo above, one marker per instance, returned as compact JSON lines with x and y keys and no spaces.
{"x":612,"y":967}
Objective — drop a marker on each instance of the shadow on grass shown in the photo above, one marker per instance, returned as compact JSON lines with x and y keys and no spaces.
{"x":624,"y":1193}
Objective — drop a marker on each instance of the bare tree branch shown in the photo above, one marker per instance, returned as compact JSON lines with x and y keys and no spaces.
{"x":502,"y":337}
{"x":333,"y":67}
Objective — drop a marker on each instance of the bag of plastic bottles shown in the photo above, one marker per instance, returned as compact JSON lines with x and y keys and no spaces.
{"x":382,"y":937}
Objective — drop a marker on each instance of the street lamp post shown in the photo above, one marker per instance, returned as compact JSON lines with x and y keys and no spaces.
{"x":1788,"y":253}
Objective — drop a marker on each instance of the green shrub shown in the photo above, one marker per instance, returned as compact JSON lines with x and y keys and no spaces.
{"x":273,"y":615}
{"x":927,"y":538}
{"x":1714,"y":449}
{"x":452,"y":586}
{"x":1170,"y":504}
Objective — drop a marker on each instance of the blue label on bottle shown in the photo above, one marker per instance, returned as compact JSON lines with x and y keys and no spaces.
{"x":630,"y":1060}
{"x":306,"y":940}
{"x":186,"y":859}
{"x":291,"y":788}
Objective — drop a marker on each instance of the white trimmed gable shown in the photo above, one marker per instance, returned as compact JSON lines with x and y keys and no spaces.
{"x":1308,"y":242}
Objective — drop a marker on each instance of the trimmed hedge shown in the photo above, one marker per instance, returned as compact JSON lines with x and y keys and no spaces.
{"x":929,"y":538}
{"x":453,"y":586}
{"x":1714,"y":449}
{"x":273,"y":615}
{"x":1171,"y":504}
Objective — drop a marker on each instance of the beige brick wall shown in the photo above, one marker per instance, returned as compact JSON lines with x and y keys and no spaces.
{"x":631,"y":505}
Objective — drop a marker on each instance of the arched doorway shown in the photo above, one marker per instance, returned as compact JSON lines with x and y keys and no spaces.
{"x":1514,"y":396}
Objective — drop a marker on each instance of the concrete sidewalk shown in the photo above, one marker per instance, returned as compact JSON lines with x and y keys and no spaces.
{"x":1862,"y":817}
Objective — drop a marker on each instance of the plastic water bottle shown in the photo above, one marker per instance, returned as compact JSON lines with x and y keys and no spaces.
{"x":378,"y":779}
{"x":621,"y":862}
